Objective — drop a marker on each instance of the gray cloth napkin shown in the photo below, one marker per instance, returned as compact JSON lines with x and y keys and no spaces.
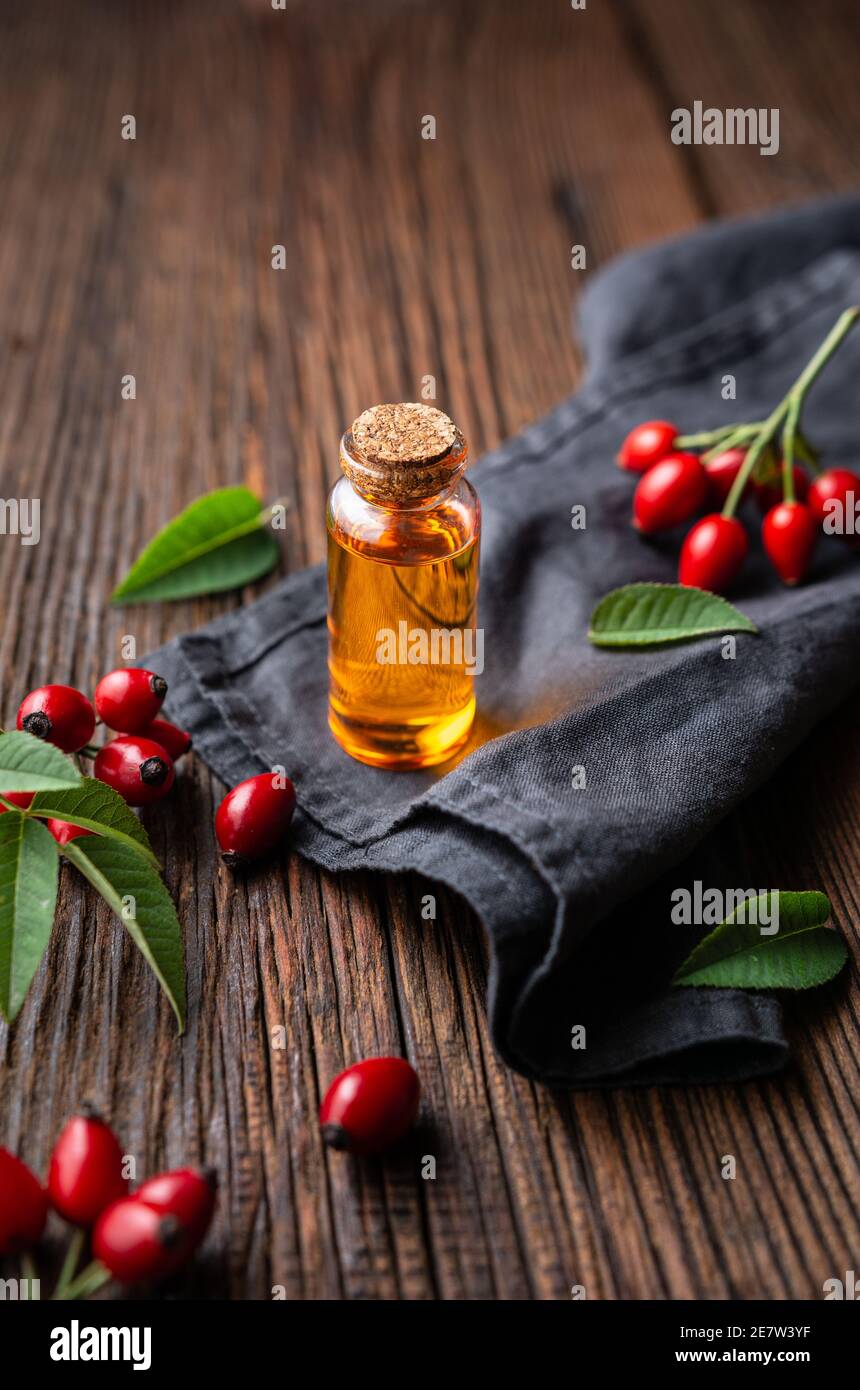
{"x":670,"y":739}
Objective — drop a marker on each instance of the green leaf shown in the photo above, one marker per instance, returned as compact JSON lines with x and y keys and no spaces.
{"x":28,"y":896}
{"x":801,"y":954}
{"x":96,"y":807}
{"x":28,"y":764}
{"x":219,"y":542}
{"x":118,"y":873}
{"x":641,"y":615}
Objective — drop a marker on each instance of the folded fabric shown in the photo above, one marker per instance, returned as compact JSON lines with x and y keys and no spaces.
{"x":669,"y":740}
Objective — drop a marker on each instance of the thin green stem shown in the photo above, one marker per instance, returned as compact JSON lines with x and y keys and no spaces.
{"x":754,"y":453}
{"x":789,"y":435}
{"x":89,"y":1281}
{"x":70,"y":1264}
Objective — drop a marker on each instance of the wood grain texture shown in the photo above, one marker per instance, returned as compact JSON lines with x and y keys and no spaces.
{"x":404,"y":258}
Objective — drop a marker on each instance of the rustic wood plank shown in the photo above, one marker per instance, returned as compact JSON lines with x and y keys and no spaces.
{"x":404,"y":258}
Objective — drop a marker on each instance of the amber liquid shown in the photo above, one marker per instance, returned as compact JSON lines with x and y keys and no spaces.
{"x":401,"y":645}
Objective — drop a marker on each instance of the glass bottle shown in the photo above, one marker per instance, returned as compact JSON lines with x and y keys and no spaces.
{"x":403,"y":533}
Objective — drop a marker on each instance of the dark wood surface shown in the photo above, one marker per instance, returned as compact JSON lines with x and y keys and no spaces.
{"x":404,"y":257}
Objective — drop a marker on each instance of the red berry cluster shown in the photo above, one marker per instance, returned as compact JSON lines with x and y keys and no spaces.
{"x":139,"y":763}
{"x":676,"y":484}
{"x":135,"y":1237}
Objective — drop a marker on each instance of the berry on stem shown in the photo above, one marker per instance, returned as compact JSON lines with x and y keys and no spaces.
{"x":175,"y":740}
{"x":646,"y":445}
{"x":769,"y":494}
{"x":85,"y":1175}
{"x":370,"y":1106}
{"x":129,"y":699}
{"x":140,"y":770}
{"x":669,"y":493}
{"x":832,"y":496}
{"x":722,"y":471}
{"x":253,"y":817}
{"x":713,"y":552}
{"x":59,"y":714}
{"x":23,"y":1205}
{"x":789,"y":533}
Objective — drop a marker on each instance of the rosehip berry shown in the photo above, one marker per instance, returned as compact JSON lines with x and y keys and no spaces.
{"x":370,"y":1106}
{"x":23,"y":1205}
{"x":646,"y":445}
{"x":669,"y":493}
{"x":769,"y":494}
{"x":129,"y":699}
{"x":137,"y":1243}
{"x":833,"y":497}
{"x":253,"y":817}
{"x":186,"y":1194}
{"x":85,"y":1175}
{"x":63,"y":832}
{"x":722,"y":471}
{"x":713,"y":552}
{"x":59,"y":714}
{"x":176,"y":741}
{"x":789,"y":533}
{"x":140,"y":770}
{"x":21,"y":799}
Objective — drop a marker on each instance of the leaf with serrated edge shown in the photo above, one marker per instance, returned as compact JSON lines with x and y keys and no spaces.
{"x":28,"y":764}
{"x":735,"y":955}
{"x":639,"y":615}
{"x":97,"y":807}
{"x":116,"y":872}
{"x":28,"y":896}
{"x":219,"y":542}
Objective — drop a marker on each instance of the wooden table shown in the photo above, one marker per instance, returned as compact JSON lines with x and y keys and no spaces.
{"x":404,"y":257}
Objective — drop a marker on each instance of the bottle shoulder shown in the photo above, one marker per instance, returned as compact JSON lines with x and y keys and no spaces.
{"x":404,"y":536}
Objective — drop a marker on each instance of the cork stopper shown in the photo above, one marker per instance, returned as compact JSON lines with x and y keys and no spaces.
{"x":403,"y":452}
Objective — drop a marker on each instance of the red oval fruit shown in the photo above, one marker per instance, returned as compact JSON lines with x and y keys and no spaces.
{"x":85,"y":1175}
{"x":129,"y":699}
{"x":59,"y":714}
{"x":23,"y":1205}
{"x":769,"y":494}
{"x":789,"y":533}
{"x":646,"y":445}
{"x":175,"y":740}
{"x":833,"y":499}
{"x":63,"y":832}
{"x":21,"y":799}
{"x":137,"y":1243}
{"x":370,"y":1106}
{"x":722,"y":471}
{"x":253,"y":817}
{"x":713,"y":552}
{"x":140,"y":770}
{"x":669,"y":493}
{"x":185,"y":1193}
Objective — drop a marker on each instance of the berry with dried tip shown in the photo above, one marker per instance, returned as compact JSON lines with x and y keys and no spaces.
{"x":129,"y":699}
{"x":713,"y":552}
{"x":646,"y":445}
{"x":137,"y":1243}
{"x":789,"y":533}
{"x":174,"y":739}
{"x":371,"y":1105}
{"x":59,"y":714}
{"x":23,"y":1205}
{"x":85,"y":1175}
{"x":140,"y":770}
{"x":186,"y":1193}
{"x":253,"y":817}
{"x":834,"y":499}
{"x":669,"y":493}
